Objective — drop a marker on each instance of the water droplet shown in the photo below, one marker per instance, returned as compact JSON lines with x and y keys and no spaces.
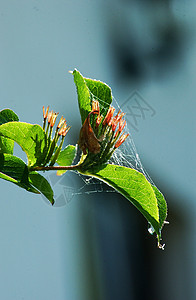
{"x":151,"y":229}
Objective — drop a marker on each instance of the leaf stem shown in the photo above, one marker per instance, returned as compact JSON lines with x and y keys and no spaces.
{"x":55,"y":168}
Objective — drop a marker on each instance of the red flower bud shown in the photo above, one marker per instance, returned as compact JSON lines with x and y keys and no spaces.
{"x":45,"y":113}
{"x":61,"y":122}
{"x":109,"y":115}
{"x":121,"y":125}
{"x":64,"y":129}
{"x":95,"y":106}
{"x":53,"y":119}
{"x":121,"y":140}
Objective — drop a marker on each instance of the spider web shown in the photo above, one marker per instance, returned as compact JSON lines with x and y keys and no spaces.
{"x":68,"y":186}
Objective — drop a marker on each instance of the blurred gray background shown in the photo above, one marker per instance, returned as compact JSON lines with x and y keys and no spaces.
{"x":96,"y":245}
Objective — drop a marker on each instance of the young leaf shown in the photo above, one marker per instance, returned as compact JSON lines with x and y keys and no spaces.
{"x":7,"y":145}
{"x":88,"y":89}
{"x":101,"y":92}
{"x":84,"y":100}
{"x":66,"y":157}
{"x":31,"y":138}
{"x":135,"y":187}
{"x":40,"y":183}
{"x":13,"y":169}
{"x":7,"y":115}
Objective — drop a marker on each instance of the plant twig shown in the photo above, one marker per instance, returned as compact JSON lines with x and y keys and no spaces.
{"x":54,"y":168}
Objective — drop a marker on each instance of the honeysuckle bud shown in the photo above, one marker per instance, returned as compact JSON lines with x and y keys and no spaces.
{"x":64,"y":129}
{"x":109,"y":115}
{"x":50,"y":116}
{"x":53,"y":119}
{"x":121,"y":125}
{"x":98,"y":120}
{"x":120,"y":115}
{"x":95,"y":106}
{"x":45,"y":113}
{"x":61,"y":122}
{"x":113,"y":122}
{"x":121,"y":140}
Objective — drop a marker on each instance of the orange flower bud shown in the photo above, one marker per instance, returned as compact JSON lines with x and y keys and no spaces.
{"x":98,"y":120}
{"x":45,"y":113}
{"x":113,"y":122}
{"x":64,"y":129}
{"x":121,"y":140}
{"x":50,"y":116}
{"x":53,"y":119}
{"x":95,"y":106}
{"x":61,"y":122}
{"x":109,"y":115}
{"x":121,"y":125}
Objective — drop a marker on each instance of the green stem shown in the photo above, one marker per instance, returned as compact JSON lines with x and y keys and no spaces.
{"x":50,"y":133}
{"x":44,"y":124}
{"x":55,"y":168}
{"x":57,"y":152}
{"x":47,"y":128}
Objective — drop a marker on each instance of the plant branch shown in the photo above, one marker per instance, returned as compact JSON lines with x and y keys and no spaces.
{"x":54,"y":168}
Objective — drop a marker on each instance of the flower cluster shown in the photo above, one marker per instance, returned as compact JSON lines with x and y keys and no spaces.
{"x":99,"y":135}
{"x":115,"y":125}
{"x":62,"y":129}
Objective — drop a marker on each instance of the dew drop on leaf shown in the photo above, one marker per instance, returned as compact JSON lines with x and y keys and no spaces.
{"x":151,"y":229}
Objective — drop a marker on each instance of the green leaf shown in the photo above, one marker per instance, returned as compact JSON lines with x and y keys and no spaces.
{"x":7,"y":115}
{"x":135,"y":187}
{"x":8,"y":178}
{"x":162,"y":205}
{"x":84,"y":100}
{"x":66,"y":157}
{"x":102,"y":92}
{"x":13,"y":169}
{"x":7,"y":145}
{"x":88,"y":89}
{"x":31,"y":138}
{"x":40,"y":183}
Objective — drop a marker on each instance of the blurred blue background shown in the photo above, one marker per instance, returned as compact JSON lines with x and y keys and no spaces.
{"x":97,"y":246}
